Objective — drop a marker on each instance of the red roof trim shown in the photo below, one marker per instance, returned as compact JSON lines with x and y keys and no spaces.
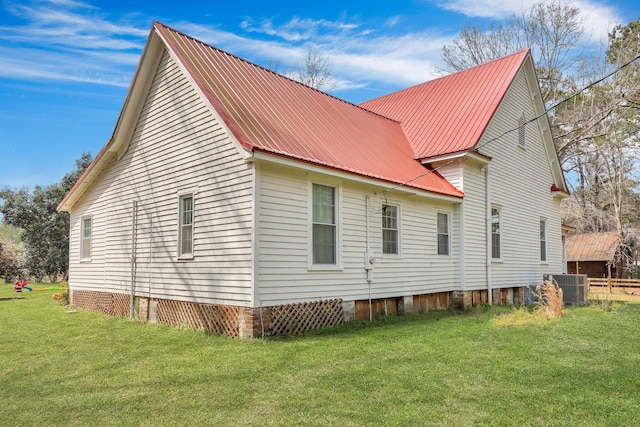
{"x":454,"y":191}
{"x":556,"y":189}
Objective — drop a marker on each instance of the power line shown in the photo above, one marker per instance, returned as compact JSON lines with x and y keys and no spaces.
{"x":546,"y":111}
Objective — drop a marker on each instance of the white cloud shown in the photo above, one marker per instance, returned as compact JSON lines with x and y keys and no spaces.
{"x":358,"y":57}
{"x":297,"y":29}
{"x":598,"y":18}
{"x":68,"y":40}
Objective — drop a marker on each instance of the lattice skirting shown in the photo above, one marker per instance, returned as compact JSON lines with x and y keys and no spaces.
{"x":108,"y":303}
{"x":216,"y":319}
{"x":291,"y":319}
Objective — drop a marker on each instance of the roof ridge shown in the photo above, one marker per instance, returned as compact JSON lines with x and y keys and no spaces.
{"x":271,"y":71}
{"x":471,"y":69}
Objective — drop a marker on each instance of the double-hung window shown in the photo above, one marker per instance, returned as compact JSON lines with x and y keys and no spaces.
{"x":324,"y":225}
{"x":185,"y":227}
{"x":390,"y":230}
{"x":443,"y":233}
{"x":86,"y":233}
{"x":496,"y":250}
{"x":543,"y":240}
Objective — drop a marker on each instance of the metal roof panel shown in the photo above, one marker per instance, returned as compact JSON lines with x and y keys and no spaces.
{"x":450,"y":114}
{"x":272,"y":113}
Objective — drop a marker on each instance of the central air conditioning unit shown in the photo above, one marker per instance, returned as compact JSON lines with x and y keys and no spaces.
{"x":575,"y":287}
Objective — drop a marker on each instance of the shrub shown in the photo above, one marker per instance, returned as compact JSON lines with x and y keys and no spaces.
{"x":63,"y":295}
{"x":549,"y":299}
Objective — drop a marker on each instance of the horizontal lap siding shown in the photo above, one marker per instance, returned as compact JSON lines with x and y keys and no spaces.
{"x":178,"y":146}
{"x":475,"y":232}
{"x":520,"y":182}
{"x":283,"y":244}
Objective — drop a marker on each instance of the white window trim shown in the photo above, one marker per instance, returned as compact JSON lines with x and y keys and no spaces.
{"x":449,"y":216}
{"x":399,"y":235}
{"x":546,"y":240}
{"x":338,"y":206}
{"x":181,"y":195}
{"x":501,"y":224}
{"x":82,"y":239}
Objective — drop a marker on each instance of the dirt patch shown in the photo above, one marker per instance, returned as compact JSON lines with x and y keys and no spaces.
{"x":10,"y":298}
{"x":619,"y":294}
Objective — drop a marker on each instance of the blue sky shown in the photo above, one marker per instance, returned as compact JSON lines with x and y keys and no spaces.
{"x":65,"y":65}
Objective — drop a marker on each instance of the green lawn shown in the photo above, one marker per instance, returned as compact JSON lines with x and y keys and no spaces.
{"x":68,"y":367}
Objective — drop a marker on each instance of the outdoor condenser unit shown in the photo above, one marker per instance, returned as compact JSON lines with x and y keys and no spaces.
{"x":575,"y":287}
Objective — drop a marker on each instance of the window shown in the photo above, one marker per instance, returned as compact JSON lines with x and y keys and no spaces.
{"x":521,"y":131}
{"x":185,"y":246}
{"x":443,"y":233}
{"x":389,"y":229}
{"x":85,"y":243}
{"x":324,"y":224}
{"x":495,"y":234}
{"x":543,"y":240}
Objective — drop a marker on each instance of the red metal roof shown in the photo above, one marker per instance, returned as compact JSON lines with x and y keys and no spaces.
{"x":449,"y":114}
{"x":271,"y":113}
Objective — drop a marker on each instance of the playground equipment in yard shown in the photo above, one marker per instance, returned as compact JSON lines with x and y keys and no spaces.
{"x":18,"y":286}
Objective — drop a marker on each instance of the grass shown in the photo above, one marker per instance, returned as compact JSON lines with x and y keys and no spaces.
{"x":69,"y":367}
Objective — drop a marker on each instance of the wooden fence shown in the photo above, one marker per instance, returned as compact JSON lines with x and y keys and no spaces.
{"x":610,"y":283}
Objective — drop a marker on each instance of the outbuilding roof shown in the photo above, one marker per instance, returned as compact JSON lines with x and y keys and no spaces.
{"x":592,"y":246}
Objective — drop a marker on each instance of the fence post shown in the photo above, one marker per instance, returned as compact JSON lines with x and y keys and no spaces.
{"x":609,"y":277}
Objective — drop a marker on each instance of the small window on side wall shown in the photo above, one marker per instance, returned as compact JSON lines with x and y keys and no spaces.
{"x":543,"y":240}
{"x":324,"y":225}
{"x":185,"y":231}
{"x":443,"y":233}
{"x":496,"y":234}
{"x":390,"y":236}
{"x":85,"y":241}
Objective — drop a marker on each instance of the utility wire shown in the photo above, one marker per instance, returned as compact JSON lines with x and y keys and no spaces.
{"x":484,"y":144}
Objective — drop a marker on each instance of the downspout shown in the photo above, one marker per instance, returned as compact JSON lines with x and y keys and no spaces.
{"x":367,"y":254}
{"x":133,"y":258}
{"x":462,"y":245}
{"x":487,"y":192}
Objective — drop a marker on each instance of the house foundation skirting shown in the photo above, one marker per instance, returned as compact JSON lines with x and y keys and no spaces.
{"x":285,"y":319}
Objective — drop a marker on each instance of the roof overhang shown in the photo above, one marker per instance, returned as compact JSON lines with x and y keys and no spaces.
{"x":125,"y":125}
{"x":460,"y":155}
{"x":381,"y":183}
{"x":558,"y":192}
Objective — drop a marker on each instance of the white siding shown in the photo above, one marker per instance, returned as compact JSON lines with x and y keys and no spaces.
{"x":283,"y":243}
{"x":520,"y":184}
{"x":177,"y":147}
{"x":452,"y":170}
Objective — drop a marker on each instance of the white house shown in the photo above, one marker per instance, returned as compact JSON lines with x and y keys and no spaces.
{"x":235,"y":199}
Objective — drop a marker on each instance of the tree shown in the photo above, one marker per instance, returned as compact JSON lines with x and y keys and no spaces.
{"x":9,"y":265}
{"x":45,"y":232}
{"x":595,"y":126}
{"x":553,"y":31}
{"x":314,"y":71}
